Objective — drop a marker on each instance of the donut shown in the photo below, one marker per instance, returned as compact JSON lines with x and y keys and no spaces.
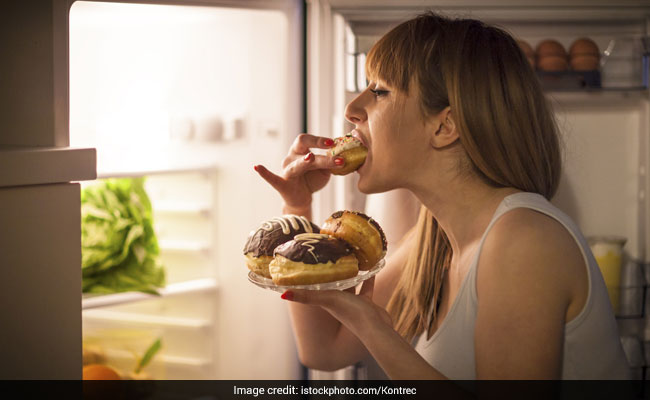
{"x":353,"y":152}
{"x":363,"y":233}
{"x":312,"y":258}
{"x":261,"y":243}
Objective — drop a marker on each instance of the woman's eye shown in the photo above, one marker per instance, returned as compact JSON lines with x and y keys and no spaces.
{"x":379,"y":92}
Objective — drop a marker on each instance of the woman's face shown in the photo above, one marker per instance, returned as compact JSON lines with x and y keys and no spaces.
{"x":391,"y":125}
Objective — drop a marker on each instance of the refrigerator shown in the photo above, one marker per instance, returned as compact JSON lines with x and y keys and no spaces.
{"x":191,"y":95}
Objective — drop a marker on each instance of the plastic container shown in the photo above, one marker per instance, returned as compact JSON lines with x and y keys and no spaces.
{"x":624,"y":63}
{"x":608,"y":251}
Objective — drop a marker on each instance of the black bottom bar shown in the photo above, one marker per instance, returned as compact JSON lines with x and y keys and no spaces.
{"x":250,"y":389}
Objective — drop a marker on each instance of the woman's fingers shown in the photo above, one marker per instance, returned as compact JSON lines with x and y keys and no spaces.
{"x":367,"y":287}
{"x":313,"y":297}
{"x":327,"y":298}
{"x":274,"y":180}
{"x":310,"y":162}
{"x":304,"y":142}
{"x":347,"y":307}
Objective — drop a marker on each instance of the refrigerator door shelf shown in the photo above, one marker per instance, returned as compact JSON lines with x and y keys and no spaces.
{"x":22,"y":166}
{"x":193,"y":286}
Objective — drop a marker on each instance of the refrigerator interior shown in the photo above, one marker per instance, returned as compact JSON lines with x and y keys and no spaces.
{"x":191,"y":98}
{"x":605,"y":131}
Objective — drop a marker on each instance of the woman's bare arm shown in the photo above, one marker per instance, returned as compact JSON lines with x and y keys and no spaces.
{"x":323,"y":342}
{"x":531,"y":278}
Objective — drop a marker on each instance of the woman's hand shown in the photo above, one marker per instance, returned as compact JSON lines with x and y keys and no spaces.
{"x":358,"y":313}
{"x":303,"y":172}
{"x":372,"y":325}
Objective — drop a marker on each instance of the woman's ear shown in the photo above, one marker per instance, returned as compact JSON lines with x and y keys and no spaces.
{"x":444,"y":132}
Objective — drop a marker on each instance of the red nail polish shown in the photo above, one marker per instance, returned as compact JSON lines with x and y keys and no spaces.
{"x":339,"y":161}
{"x":288,"y":295}
{"x":309,"y":156}
{"x":256,"y":167}
{"x":329,"y":142}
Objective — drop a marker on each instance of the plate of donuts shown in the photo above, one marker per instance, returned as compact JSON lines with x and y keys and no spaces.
{"x":292,"y":252}
{"x":267,"y":283}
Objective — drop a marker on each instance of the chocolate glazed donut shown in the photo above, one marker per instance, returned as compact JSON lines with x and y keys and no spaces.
{"x":363,"y":233}
{"x":272,"y":233}
{"x":312,"y":258}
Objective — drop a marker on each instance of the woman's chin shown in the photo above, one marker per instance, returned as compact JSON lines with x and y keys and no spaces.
{"x":363,"y":184}
{"x":370,"y":183}
{"x":367,"y":185}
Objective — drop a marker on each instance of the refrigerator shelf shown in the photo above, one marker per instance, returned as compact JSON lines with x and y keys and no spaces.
{"x":154,"y":170}
{"x":140,"y":319}
{"x":167,"y":360}
{"x":596,"y":97}
{"x":170,"y":207}
{"x":174,"y":289}
{"x":184,"y":246}
{"x":637,"y":91}
{"x":164,"y":159}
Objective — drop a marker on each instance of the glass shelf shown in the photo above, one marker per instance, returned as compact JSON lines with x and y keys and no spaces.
{"x":153,"y":170}
{"x":184,"y":246}
{"x":131,"y":319}
{"x":165,"y":359}
{"x":194,"y":286}
{"x":169,"y":207}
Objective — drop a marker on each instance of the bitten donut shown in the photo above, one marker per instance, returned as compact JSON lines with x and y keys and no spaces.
{"x":312,"y":258}
{"x":363,"y":233}
{"x":353,"y":152}
{"x":261,"y":243}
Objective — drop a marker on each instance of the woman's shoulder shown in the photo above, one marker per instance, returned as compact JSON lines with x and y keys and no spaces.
{"x":526,"y":246}
{"x":530,"y":230}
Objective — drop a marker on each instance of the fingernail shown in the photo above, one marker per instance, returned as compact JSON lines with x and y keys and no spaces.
{"x":329,"y":142}
{"x":288,"y":295}
{"x":256,"y":167}
{"x":309,"y":156}
{"x":339,"y":161}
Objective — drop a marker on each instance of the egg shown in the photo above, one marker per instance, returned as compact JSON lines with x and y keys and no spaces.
{"x":584,"y":46}
{"x":584,"y":55}
{"x":528,"y":51}
{"x":585,"y":62}
{"x":552,"y":63}
{"x":550,"y":47}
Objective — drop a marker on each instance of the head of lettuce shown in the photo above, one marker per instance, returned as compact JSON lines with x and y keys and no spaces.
{"x":119,"y":249}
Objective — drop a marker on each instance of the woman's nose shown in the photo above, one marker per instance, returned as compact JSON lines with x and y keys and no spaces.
{"x":355,"y":111}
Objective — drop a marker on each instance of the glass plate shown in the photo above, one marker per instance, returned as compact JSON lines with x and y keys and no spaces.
{"x":267,"y":283}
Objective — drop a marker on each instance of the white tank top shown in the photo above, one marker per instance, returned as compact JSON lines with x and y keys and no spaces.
{"x":592,"y":346}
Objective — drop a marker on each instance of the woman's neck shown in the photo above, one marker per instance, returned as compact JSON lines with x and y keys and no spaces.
{"x":463,"y":208}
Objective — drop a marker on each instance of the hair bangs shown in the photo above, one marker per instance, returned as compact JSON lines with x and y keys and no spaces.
{"x":387,"y":60}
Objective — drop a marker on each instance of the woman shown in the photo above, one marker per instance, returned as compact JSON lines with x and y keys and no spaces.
{"x":494,"y":282}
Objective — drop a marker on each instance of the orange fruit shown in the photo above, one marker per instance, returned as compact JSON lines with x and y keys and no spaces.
{"x":94,"y":372}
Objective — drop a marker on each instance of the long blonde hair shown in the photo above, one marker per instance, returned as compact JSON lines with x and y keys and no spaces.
{"x":506,"y":129}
